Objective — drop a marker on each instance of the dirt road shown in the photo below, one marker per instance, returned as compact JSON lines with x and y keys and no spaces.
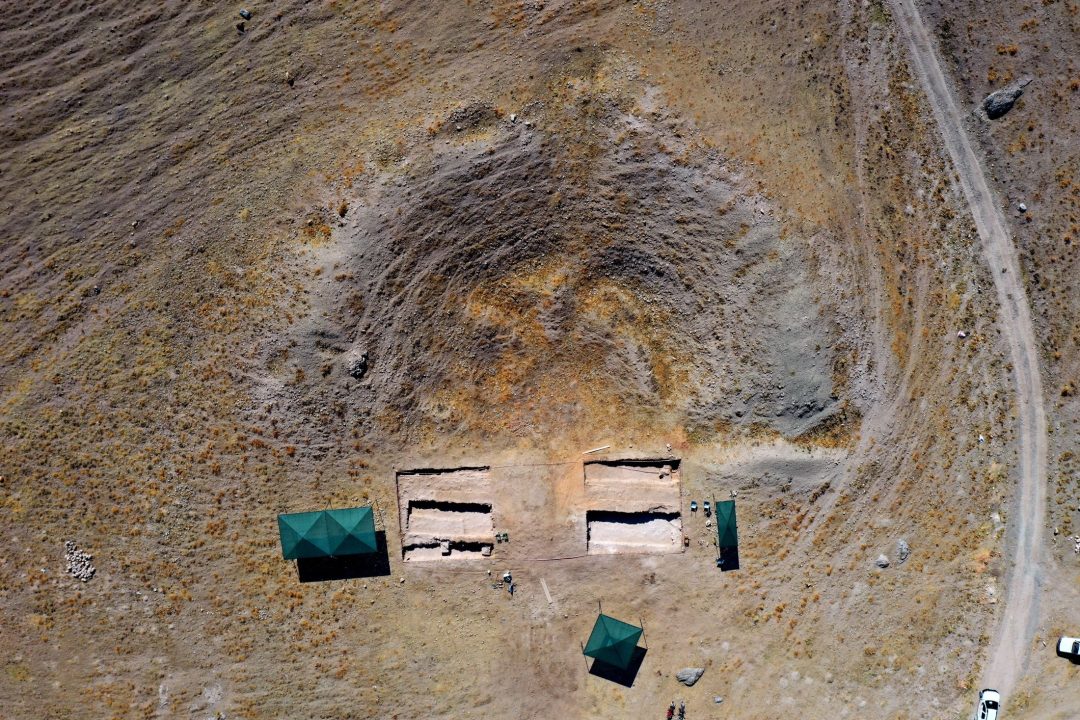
{"x":1012,"y":641}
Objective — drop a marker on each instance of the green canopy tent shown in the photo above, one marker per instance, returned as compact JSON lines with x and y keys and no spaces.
{"x":327,"y":533}
{"x":727,"y":536}
{"x":613,"y":642}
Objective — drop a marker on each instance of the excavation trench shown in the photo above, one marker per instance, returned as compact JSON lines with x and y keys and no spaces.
{"x":612,"y":532}
{"x":446,"y":514}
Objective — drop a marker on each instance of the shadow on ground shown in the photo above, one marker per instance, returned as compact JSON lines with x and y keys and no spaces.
{"x":347,"y":567}
{"x":618,"y":675}
{"x":728,"y":559}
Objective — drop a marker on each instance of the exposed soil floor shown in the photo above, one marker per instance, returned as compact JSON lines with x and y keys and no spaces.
{"x":634,"y":533}
{"x":275,"y":264}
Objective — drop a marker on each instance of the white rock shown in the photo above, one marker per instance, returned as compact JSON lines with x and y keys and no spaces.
{"x":902,"y":550}
{"x":689,"y":676}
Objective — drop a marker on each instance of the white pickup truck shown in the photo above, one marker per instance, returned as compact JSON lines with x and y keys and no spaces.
{"x":989,"y":702}
{"x":1069,"y":647}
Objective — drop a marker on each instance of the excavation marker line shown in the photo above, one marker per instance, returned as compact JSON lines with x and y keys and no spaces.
{"x":513,"y":465}
{"x":598,"y":558}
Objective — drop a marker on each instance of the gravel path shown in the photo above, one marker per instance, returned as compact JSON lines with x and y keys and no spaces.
{"x":1011,"y":644}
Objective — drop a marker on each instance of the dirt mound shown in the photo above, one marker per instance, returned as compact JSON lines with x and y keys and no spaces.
{"x":539,"y":276}
{"x":467,"y":118}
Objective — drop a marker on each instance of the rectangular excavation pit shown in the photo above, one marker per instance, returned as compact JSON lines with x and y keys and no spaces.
{"x":636,"y":476}
{"x":445,"y":514}
{"x":633,"y":506}
{"x":447,"y":550}
{"x":610,"y":532}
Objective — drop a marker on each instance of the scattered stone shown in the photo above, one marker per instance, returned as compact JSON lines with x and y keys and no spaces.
{"x":240,"y":28}
{"x":513,"y":117}
{"x":246,"y":14}
{"x":1001,"y":101}
{"x":961,"y":334}
{"x":717,"y":699}
{"x":882,"y":561}
{"x":78,"y":562}
{"x":689,"y":676}
{"x":902,"y":551}
{"x":1022,"y":207}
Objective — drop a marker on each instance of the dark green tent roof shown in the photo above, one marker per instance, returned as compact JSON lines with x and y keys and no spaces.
{"x":727,"y":532}
{"x":613,"y":641}
{"x":326,"y":533}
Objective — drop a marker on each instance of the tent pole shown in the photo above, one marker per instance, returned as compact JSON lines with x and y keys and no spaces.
{"x":645,"y":639}
{"x":600,"y":606}
{"x":717,"y":541}
{"x":583,"y":655}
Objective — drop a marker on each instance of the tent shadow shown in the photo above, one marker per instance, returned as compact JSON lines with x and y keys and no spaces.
{"x":616,"y":674}
{"x":729,"y":559}
{"x":347,"y":567}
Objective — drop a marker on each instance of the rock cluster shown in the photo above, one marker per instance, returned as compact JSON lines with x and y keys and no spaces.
{"x":357,"y":364}
{"x":78,"y":562}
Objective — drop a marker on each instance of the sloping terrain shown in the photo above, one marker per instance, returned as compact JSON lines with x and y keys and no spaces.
{"x":515,"y":277}
{"x":249,"y":271}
